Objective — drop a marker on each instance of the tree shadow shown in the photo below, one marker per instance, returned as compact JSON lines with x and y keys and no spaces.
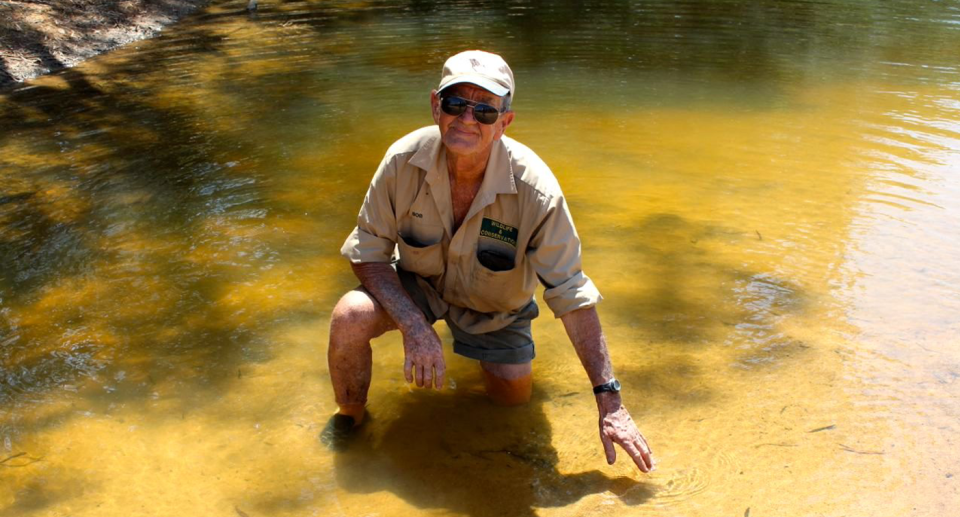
{"x":30,"y":40}
{"x":124,"y":225}
{"x":93,"y":140}
{"x":124,"y":197}
{"x":692,"y":296}
{"x":31,"y":240}
{"x":44,"y":492}
{"x":461,"y":453}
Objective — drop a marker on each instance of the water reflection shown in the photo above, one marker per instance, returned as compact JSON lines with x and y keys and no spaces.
{"x":765,"y":193}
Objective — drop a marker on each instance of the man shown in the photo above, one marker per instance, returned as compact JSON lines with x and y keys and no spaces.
{"x":478,"y":218}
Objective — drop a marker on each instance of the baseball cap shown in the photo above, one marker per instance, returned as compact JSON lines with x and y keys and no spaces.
{"x":486,"y":70}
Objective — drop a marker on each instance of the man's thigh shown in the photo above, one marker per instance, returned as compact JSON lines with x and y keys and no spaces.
{"x":511,"y":345}
{"x":413,"y":288}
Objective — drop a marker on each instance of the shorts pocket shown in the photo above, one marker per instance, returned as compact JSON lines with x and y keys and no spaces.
{"x":422,"y":259}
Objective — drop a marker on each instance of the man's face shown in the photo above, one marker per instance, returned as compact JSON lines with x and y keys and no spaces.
{"x":463,"y":135}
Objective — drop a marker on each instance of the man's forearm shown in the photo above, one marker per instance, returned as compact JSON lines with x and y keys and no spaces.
{"x":583,"y":328}
{"x":616,"y":425}
{"x":381,"y":280}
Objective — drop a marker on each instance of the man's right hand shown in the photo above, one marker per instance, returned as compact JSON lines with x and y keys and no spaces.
{"x":422,"y":349}
{"x":423,"y":356}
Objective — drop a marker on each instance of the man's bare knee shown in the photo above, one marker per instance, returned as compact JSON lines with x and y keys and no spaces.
{"x":358,"y":315}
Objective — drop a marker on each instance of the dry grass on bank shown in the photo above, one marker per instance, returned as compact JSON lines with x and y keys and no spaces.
{"x":41,"y":36}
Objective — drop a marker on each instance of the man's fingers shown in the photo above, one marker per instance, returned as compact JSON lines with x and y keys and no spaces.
{"x":643,"y":463}
{"x":648,"y":459}
{"x":427,"y":371}
{"x":608,"y":447}
{"x":428,"y":376}
{"x":645,"y":446}
{"x":441,"y":375}
{"x":647,"y":454}
{"x":437,"y":372}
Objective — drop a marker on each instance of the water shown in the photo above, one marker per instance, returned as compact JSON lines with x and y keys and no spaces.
{"x":767,"y":197}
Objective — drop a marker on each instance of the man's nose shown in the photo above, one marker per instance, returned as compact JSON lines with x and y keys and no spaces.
{"x":467,"y":115}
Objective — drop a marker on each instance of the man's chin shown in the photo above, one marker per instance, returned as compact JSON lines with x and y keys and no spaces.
{"x":462,"y":145}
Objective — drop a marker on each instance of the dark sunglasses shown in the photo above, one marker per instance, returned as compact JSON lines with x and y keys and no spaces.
{"x":455,"y":106}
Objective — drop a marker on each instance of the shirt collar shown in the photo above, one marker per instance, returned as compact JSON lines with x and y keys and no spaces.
{"x":426,"y":158}
{"x":499,"y":176}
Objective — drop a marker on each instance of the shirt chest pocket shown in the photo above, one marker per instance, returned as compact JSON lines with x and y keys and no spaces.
{"x":421,"y":247}
{"x":497,"y":282}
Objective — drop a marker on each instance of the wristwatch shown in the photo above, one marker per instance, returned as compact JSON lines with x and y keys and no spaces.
{"x":612,"y":386}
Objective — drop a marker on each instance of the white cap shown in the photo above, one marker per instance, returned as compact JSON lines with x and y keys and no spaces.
{"x":486,"y":70}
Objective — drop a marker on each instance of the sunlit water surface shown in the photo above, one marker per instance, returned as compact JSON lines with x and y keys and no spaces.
{"x":768,"y":198}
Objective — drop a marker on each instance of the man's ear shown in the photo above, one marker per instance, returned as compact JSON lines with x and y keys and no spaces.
{"x":435,"y":106}
{"x":505,"y":120}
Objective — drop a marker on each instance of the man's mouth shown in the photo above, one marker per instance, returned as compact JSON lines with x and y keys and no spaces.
{"x":464,"y":131}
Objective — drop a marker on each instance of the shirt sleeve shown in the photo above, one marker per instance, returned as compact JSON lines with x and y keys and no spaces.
{"x":374,"y":238}
{"x":555,"y":255}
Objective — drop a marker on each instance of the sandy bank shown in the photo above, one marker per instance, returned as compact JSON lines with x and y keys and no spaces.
{"x":42,"y":36}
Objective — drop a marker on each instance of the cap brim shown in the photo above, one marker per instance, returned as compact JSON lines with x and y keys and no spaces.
{"x":491,"y":86}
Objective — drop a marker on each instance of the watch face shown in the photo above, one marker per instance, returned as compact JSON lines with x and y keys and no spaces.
{"x":612,"y":386}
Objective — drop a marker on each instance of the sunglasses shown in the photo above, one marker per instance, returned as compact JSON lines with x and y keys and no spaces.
{"x":455,"y":106}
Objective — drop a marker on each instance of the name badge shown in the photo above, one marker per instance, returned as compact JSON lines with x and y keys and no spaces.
{"x":499,"y":231}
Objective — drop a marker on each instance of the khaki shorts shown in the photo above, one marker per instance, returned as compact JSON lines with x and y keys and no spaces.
{"x":512,"y":344}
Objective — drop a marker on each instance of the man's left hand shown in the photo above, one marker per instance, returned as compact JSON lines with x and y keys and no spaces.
{"x":616,"y":426}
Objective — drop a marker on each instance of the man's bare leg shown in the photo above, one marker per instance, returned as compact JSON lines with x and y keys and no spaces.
{"x":508,"y":384}
{"x":356,"y":319}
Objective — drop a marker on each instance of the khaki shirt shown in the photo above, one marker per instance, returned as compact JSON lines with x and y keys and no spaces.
{"x":518,"y":229}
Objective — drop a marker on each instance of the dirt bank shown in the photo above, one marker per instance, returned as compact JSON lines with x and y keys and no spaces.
{"x":41,"y":36}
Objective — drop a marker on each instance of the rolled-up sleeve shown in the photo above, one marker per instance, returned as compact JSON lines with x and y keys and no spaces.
{"x":374,"y":237}
{"x":554,"y":253}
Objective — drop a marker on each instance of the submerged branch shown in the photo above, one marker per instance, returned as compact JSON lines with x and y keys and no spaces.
{"x":30,"y":461}
{"x":17,"y":455}
{"x":849,"y":449}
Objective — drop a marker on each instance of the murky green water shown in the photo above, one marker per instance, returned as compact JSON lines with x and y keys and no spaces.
{"x":767,"y":194}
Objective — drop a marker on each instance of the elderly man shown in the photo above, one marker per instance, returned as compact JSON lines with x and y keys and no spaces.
{"x":477,"y":219}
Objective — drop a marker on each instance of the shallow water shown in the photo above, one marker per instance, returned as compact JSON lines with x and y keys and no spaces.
{"x":767,"y":195}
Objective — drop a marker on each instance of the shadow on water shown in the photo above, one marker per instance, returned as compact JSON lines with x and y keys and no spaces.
{"x":123,"y":224}
{"x":43,"y":493}
{"x":96,"y":240}
{"x":696,"y":297}
{"x":461,"y":453}
{"x":23,"y":257}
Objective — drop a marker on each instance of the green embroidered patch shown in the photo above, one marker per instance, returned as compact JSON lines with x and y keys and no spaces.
{"x":499,"y":231}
